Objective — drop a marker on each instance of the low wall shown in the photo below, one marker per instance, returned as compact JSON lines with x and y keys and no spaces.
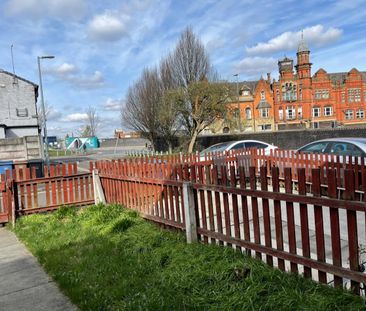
{"x":20,"y":148}
{"x":284,"y":139}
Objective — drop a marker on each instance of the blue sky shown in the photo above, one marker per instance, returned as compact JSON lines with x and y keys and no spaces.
{"x":101,"y":47}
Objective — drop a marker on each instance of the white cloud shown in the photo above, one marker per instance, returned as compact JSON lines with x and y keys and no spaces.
{"x":62,"y":70}
{"x":110,"y":26}
{"x":254,"y":67}
{"x":68,"y":72}
{"x":316,"y":35}
{"x":76,"y":117}
{"x":112,"y":104}
{"x":74,"y":9}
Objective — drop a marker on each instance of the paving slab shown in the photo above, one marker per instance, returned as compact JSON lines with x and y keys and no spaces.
{"x":24,"y":284}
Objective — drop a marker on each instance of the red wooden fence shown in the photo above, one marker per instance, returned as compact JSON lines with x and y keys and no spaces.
{"x":303,"y":230}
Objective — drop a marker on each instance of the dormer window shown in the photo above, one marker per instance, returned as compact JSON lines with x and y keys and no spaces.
{"x":245,"y":93}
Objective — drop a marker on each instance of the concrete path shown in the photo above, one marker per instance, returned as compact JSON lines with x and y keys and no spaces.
{"x":23,"y":283}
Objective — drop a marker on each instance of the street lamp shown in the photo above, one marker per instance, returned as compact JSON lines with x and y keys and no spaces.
{"x":237,"y":94}
{"x":43,"y":108}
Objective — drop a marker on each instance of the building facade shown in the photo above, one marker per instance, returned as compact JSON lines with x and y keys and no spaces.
{"x":299,"y":100}
{"x":18,"y":111}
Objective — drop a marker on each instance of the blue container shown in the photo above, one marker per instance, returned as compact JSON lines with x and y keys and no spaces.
{"x":6,"y":165}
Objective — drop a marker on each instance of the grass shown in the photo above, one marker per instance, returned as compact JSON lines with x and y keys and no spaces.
{"x":108,"y":258}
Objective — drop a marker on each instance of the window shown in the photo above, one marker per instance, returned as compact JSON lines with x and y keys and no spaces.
{"x":278,"y":95}
{"x":299,"y":113}
{"x":22,"y":112}
{"x":343,"y":94}
{"x":253,"y":144}
{"x":245,"y":93}
{"x":316,"y":112}
{"x":265,"y":127}
{"x":280,"y":113}
{"x":342,"y":148}
{"x":263,"y":95}
{"x":264,"y":112}
{"x":319,"y":147}
{"x":248,"y":113}
{"x":349,"y":114}
{"x":237,"y":146}
{"x":300,"y":94}
{"x":289,"y":91}
{"x":290,"y":113}
{"x":328,"y":111}
{"x":321,"y":94}
{"x":354,"y":95}
{"x":364,"y":96}
{"x":360,"y":114}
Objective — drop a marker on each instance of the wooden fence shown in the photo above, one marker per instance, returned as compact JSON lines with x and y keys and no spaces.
{"x":24,"y":193}
{"x":303,"y":231}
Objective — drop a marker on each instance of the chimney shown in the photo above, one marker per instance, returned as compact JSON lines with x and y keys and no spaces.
{"x":268,"y":77}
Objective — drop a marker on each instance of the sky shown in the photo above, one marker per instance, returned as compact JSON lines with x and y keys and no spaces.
{"x":101,"y":47}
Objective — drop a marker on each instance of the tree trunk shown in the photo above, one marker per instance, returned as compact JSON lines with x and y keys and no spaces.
{"x":193,"y":141}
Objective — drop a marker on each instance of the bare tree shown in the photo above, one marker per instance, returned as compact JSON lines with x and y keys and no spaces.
{"x":92,"y":121}
{"x":141,"y":110}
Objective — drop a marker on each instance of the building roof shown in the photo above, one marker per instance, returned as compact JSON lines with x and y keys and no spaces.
{"x":18,"y":77}
{"x":263,"y":104}
{"x":340,"y":77}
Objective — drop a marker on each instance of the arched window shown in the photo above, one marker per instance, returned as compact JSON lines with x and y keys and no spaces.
{"x":248,"y":113}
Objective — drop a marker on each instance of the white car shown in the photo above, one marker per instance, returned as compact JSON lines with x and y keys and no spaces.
{"x":238,"y":144}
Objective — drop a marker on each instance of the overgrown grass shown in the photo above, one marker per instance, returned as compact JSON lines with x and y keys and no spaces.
{"x":108,"y":258}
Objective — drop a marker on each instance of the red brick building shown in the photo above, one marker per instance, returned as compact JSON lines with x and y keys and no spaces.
{"x":302,"y":100}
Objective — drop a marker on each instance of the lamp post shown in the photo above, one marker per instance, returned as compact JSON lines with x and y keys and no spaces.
{"x":237,"y":94}
{"x":47,"y":159}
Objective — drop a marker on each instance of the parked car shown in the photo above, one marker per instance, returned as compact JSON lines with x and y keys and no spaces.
{"x":352,"y":146}
{"x":239,"y":144}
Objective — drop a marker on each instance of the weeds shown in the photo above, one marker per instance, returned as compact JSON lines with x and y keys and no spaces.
{"x":108,"y":258}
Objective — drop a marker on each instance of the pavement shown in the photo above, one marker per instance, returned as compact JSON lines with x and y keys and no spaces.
{"x":23,"y":283}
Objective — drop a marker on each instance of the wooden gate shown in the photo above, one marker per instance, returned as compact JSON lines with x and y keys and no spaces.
{"x":5,"y":198}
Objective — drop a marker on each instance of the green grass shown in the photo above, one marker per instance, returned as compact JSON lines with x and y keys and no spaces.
{"x":108,"y":258}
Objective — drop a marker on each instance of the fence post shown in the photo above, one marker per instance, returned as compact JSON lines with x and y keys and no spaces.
{"x":190,"y":216}
{"x":98,"y":189}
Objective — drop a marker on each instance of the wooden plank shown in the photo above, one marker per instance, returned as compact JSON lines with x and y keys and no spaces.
{"x":266,"y":214}
{"x":28,"y":188}
{"x":256,"y":228}
{"x":278,"y":215}
{"x":64,"y":184}
{"x":71,"y":183}
{"x":334,"y":226}
{"x":319,"y":223}
{"x":349,"y":194}
{"x":244,"y":204}
{"x":226,"y":203}
{"x":211,"y":220}
{"x":290,"y":218}
{"x":202,"y":201}
{"x":235,"y":205}
{"x":217,"y":202}
{"x":304,"y":220}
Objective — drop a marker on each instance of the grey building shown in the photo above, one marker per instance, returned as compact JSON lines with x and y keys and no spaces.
{"x":18,"y":110}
